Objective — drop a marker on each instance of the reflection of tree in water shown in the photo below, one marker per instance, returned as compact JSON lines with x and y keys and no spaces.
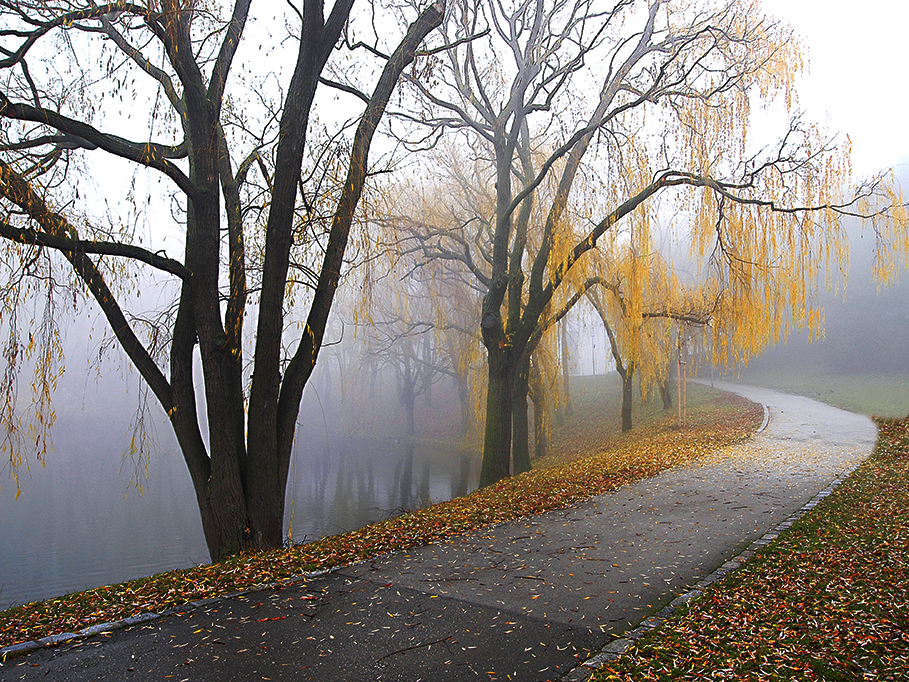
{"x":356,"y":481}
{"x":460,"y":486}
{"x":404,"y":478}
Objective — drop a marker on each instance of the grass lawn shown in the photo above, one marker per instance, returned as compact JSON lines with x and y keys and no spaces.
{"x":871,"y":394}
{"x":829,"y":600}
{"x":589,"y":456}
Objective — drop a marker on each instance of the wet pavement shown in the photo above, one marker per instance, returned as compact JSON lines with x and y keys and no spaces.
{"x":528,"y":600}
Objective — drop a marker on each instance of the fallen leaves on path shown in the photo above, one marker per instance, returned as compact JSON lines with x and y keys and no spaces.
{"x":719,"y":419}
{"x":829,"y":600}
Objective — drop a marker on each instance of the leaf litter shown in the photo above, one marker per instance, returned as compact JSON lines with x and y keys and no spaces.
{"x":828,"y":600}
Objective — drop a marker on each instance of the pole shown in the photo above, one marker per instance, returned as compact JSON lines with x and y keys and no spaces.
{"x":679,"y":385}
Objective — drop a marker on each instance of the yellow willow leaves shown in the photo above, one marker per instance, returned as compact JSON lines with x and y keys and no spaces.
{"x":27,"y":432}
{"x":640,"y":304}
{"x":892,"y":254}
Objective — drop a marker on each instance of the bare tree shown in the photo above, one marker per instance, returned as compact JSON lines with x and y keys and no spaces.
{"x":63,"y":62}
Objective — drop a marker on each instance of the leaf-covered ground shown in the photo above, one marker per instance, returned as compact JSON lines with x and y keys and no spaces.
{"x":589,"y":458}
{"x":829,"y":600}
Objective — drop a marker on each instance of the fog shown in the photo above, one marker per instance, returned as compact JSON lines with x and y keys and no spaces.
{"x":89,"y":513}
{"x":863,"y":347}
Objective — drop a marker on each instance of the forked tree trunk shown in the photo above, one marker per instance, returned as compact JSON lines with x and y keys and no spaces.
{"x":276,"y":390}
{"x":239,"y":475}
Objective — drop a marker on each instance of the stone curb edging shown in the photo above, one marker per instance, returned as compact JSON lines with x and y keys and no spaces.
{"x":766,"y":419}
{"x":23,"y":648}
{"x":619,"y":646}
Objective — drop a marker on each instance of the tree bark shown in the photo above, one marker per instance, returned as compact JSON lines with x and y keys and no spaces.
{"x":541,"y":432}
{"x":520,"y":441}
{"x":497,"y":439}
{"x":666,"y":393}
{"x":568,"y":410}
{"x":627,"y":396}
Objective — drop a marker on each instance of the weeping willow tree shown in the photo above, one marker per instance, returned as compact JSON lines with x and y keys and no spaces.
{"x":436,"y":224}
{"x":433,"y":296}
{"x":641,"y":299}
{"x":644,"y":104}
{"x":263,"y":207}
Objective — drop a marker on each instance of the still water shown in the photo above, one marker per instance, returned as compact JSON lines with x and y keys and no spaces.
{"x":80,"y":523}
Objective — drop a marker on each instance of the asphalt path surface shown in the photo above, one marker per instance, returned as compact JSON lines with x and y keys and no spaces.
{"x":528,"y":600}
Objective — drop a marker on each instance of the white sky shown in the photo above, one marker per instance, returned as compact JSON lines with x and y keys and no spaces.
{"x":856,"y":82}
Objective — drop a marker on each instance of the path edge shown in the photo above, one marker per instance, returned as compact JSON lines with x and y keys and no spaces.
{"x":619,"y":646}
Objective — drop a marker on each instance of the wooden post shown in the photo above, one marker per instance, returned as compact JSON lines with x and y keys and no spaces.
{"x":679,"y":384}
{"x":685,"y":393}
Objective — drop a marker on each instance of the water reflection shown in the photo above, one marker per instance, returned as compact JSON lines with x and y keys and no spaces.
{"x":78,"y":525}
{"x":372,"y":480}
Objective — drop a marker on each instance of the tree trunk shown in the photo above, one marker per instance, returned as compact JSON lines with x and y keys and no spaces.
{"x":407,"y":380}
{"x":410,"y":406}
{"x":520,"y":441}
{"x":627,"y":396}
{"x":666,"y":393}
{"x":497,"y":440}
{"x":540,"y":431}
{"x":566,"y":384}
{"x":464,"y":477}
{"x":406,"y":480}
{"x":240,"y":474}
{"x":540,"y":413}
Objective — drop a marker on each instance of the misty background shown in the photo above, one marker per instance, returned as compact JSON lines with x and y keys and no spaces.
{"x":88,"y":515}
{"x":92,"y":514}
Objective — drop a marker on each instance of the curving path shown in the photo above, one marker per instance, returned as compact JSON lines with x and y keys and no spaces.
{"x":528,"y":600}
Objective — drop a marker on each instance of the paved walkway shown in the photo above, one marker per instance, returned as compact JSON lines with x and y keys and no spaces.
{"x":528,"y":600}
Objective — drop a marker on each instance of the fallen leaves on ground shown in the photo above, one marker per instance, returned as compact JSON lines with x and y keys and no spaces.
{"x":829,"y":600}
{"x":715,"y":420}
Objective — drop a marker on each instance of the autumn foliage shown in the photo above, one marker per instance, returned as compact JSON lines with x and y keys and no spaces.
{"x":829,"y":600}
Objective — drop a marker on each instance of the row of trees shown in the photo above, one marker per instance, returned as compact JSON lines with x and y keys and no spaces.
{"x":544,"y":142}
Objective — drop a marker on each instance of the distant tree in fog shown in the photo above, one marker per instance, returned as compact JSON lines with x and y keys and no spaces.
{"x":642,"y":302}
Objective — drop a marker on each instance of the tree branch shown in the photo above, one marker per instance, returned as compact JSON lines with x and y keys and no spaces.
{"x":65,"y":20}
{"x":150,"y":154}
{"x":15,"y":189}
{"x":74,"y":246}
{"x":304,"y":357}
{"x":344,"y":88}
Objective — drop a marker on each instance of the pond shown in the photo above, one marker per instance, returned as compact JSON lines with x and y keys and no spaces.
{"x":80,"y":523}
